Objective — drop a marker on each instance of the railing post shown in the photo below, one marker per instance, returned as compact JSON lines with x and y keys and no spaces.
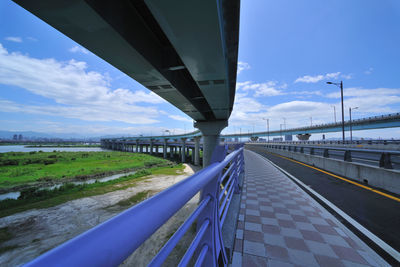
{"x":216,"y":255}
{"x":347,"y":156}
{"x":385,"y":161}
{"x":312,"y":151}
{"x":326,"y":153}
{"x":301,"y":149}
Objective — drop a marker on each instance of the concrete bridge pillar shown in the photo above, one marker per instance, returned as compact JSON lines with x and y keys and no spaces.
{"x":151,"y":146}
{"x":197,"y":150}
{"x":141,"y":148}
{"x":171,"y":152}
{"x":183,"y":150}
{"x":211,"y":131}
{"x":137,"y":146}
{"x":165,"y":148}
{"x":156,"y":149}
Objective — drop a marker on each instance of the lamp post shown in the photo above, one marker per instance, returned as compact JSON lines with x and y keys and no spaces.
{"x":351,"y":125}
{"x":341,"y":95}
{"x":280,"y":125}
{"x":334,"y":112}
{"x":267,"y":127}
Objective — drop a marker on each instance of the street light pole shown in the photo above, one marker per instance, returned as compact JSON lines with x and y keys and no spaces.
{"x":341,"y":95}
{"x":334,"y":112}
{"x":267,"y":127}
{"x":351,"y":125}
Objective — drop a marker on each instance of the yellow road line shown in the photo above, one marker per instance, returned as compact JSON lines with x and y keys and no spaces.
{"x":341,"y":178}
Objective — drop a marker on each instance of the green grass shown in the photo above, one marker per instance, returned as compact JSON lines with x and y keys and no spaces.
{"x":37,"y":199}
{"x":19,"y":168}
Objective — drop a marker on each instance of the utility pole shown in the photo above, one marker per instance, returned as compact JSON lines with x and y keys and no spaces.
{"x":341,"y":95}
{"x":265,"y":119}
{"x":334,"y":112}
{"x":351,"y":125}
{"x":284,"y":123}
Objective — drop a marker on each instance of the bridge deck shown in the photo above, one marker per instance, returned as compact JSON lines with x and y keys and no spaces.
{"x":280,"y":225}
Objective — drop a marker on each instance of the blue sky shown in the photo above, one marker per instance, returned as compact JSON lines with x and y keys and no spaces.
{"x":288,"y":50}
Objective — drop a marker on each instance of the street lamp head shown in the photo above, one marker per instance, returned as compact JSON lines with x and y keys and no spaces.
{"x":329,"y":82}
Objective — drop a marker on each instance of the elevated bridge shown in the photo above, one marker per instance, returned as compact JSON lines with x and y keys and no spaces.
{"x":248,"y":214}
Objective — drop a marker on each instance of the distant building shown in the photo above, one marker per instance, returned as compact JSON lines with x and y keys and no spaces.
{"x":20,"y":137}
{"x":15,"y":137}
{"x":277,"y":139}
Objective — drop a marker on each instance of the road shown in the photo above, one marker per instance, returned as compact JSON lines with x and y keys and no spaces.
{"x":377,"y":213}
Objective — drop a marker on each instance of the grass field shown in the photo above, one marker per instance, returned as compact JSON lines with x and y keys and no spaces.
{"x":18,"y":168}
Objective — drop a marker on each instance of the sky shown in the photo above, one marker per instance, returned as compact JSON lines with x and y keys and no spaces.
{"x":288,"y":50}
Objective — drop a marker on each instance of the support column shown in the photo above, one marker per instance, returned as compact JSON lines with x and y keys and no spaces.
{"x":211,"y":131}
{"x":183,"y":150}
{"x":165,"y":148}
{"x":171,"y":152}
{"x":137,"y":146}
{"x":141,"y":148}
{"x":151,"y":146}
{"x":197,"y":150}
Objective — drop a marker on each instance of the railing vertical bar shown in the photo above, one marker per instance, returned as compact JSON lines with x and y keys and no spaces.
{"x":230,"y":189}
{"x":189,"y":253}
{"x":169,"y":246}
{"x":202,"y":256}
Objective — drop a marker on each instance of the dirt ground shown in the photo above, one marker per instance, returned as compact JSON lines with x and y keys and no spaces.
{"x":37,"y":231}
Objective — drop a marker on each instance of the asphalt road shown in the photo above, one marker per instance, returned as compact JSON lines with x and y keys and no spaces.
{"x":379,"y":214}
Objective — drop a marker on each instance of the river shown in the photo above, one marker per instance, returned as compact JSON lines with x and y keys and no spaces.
{"x":21,"y":148}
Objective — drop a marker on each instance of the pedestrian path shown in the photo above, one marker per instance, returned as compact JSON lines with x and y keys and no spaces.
{"x":281,"y":225}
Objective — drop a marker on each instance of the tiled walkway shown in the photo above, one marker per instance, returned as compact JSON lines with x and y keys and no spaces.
{"x":280,"y":225}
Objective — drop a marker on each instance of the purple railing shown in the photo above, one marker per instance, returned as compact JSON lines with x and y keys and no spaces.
{"x":111,"y":242}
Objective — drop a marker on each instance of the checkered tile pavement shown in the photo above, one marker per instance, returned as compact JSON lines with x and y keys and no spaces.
{"x":280,"y":225}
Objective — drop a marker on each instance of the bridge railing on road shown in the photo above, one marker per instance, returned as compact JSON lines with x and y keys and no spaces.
{"x":383,"y":159}
{"x":340,"y":142}
{"x":113,"y":241}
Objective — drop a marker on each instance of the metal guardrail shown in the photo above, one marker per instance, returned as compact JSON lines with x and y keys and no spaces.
{"x":382,"y":158}
{"x":340,"y":142}
{"x":111,"y":242}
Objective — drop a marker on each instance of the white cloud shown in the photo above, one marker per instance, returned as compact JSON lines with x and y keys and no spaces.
{"x":78,"y":93}
{"x":318,"y":78}
{"x":270,"y":88}
{"x":369,"y":71}
{"x":180,"y":118}
{"x":14,"y":39}
{"x":31,"y":39}
{"x":248,"y":112}
{"x":361,"y":92}
{"x":79,"y":49}
{"x":242,"y":66}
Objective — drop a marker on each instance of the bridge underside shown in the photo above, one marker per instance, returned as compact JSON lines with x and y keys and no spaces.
{"x":184,"y":51}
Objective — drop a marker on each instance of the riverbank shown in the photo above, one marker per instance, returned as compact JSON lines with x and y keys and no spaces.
{"x":36,"y":231}
{"x":20,"y":170}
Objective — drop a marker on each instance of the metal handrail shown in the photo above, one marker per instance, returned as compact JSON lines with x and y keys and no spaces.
{"x":114,"y":240}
